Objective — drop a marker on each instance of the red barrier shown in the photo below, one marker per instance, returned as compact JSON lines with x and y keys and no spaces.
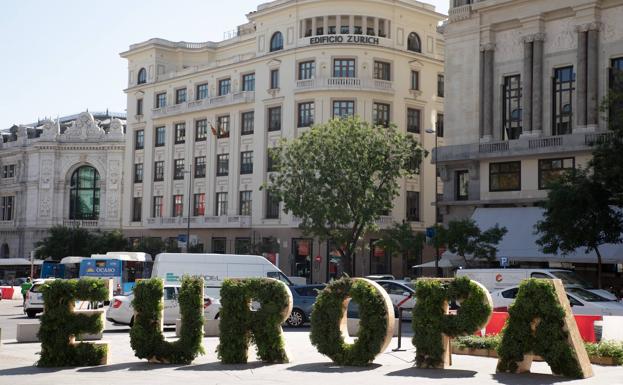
{"x":7,"y":292}
{"x":496,"y":324}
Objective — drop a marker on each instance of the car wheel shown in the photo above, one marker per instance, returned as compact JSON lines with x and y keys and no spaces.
{"x":31,"y":313}
{"x":296,"y":319}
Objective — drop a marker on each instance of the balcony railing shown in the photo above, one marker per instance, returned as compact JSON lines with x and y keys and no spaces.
{"x":344,"y":84}
{"x":84,"y":223}
{"x":232,"y":221}
{"x":7,"y":224}
{"x":460,"y":13}
{"x":205,"y":104}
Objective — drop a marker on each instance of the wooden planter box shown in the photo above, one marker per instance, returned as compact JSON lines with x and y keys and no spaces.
{"x":604,"y":361}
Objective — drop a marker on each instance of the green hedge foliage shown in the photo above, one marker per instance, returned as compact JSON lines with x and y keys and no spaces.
{"x":328,"y":312}
{"x":146,"y":336}
{"x":59,"y":323}
{"x":537,"y":299}
{"x":240,"y":326}
{"x":430,"y":321}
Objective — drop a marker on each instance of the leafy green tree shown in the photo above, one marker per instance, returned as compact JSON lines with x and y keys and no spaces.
{"x":150,"y":245}
{"x":578,"y":214}
{"x":464,"y":238}
{"x":106,"y":241}
{"x":64,"y":241}
{"x":340,"y":177}
{"x":401,"y":238}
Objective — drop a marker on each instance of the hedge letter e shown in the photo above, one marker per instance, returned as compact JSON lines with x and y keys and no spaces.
{"x":433,"y":326}
{"x":240,"y":324}
{"x":541,"y":323}
{"x":60,"y":324}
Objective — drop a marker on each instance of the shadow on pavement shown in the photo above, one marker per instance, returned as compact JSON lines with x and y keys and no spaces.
{"x":29,"y":370}
{"x":432,"y":373}
{"x":328,"y":367}
{"x":528,"y":378}
{"x":219,"y":367}
{"x":131,"y":366}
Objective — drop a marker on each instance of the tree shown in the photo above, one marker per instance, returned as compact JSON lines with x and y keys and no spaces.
{"x":464,"y":238}
{"x":106,"y":241}
{"x":340,"y":177}
{"x":401,"y":238}
{"x":151,"y":246}
{"x":578,"y":214}
{"x":64,"y":241}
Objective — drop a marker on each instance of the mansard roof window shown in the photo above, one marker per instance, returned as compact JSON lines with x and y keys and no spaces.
{"x":414,"y":43}
{"x":276,"y":42}
{"x":142,"y":76}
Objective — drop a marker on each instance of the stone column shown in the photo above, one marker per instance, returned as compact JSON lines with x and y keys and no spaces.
{"x":325,"y":28}
{"x":364,"y":25}
{"x":313,"y":26}
{"x":488,"y":91}
{"x":526,"y":90}
{"x":351,"y":24}
{"x":581,"y":80}
{"x":338,"y":24}
{"x":376,"y":26}
{"x":592,"y":78}
{"x":537,"y":84}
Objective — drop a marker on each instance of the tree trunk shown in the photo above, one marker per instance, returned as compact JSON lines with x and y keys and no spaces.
{"x":598,"y":267}
{"x":347,"y":263}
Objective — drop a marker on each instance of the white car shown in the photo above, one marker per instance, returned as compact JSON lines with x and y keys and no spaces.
{"x":33,"y":303}
{"x":121,"y":311}
{"x":401,"y":294}
{"x":581,"y":300}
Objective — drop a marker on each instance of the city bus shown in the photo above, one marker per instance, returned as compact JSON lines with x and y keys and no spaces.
{"x":123,"y":267}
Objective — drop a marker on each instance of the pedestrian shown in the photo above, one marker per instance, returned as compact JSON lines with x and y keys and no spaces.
{"x":25,"y":287}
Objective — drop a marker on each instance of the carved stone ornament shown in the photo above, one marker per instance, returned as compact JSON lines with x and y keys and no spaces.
{"x":594,"y":26}
{"x":534,"y":37}
{"x":487,"y":47}
{"x":116,"y":129}
{"x":51,"y":130}
{"x":83,"y":128}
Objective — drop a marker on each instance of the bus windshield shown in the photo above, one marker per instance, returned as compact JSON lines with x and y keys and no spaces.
{"x":571,"y":278}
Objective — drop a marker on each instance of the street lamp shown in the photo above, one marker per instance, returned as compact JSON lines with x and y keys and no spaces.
{"x":190,"y":189}
{"x":434,"y":132}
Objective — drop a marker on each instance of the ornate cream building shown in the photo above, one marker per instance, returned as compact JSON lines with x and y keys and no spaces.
{"x":215,"y":109}
{"x":62,"y":172}
{"x":524,"y":83}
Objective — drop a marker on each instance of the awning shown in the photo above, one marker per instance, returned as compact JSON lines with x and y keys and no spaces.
{"x":519,"y":243}
{"x":443,"y":263}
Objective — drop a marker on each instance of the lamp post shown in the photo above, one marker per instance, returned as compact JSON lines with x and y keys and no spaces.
{"x":190,"y":189}
{"x":434,"y":132}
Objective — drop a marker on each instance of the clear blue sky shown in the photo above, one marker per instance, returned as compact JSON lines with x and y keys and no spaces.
{"x":61,"y":57}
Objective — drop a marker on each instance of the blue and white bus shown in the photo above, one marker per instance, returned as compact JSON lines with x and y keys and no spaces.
{"x":123,"y":267}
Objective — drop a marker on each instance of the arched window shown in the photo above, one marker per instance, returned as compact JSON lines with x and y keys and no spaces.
{"x":84,"y":194}
{"x":142,"y":76}
{"x":413,"y":43}
{"x":4,"y":251}
{"x":276,"y":42}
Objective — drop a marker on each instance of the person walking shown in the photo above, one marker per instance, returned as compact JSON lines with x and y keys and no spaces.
{"x":25,"y":287}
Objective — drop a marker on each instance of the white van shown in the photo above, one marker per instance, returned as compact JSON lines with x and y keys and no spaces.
{"x":496,"y":279}
{"x":214,"y":269}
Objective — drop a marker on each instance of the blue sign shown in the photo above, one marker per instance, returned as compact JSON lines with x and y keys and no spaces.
{"x":181,"y":238}
{"x":504,"y":261}
{"x":100,"y":268}
{"x":430,"y":232}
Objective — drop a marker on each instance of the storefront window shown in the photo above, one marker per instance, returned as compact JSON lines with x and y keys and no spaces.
{"x":302,"y":250}
{"x":379,"y":259}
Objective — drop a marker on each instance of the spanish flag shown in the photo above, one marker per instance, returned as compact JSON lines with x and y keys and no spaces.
{"x":213,"y":129}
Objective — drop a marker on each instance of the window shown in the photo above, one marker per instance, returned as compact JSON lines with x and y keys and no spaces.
{"x":178,"y":169}
{"x":245,"y":203}
{"x":84,"y":194}
{"x":219,"y":245}
{"x":564,"y":85}
{"x":344,"y":68}
{"x":202,"y":91}
{"x":178,"y":205}
{"x":276,"y":42}
{"x":248,"y":82}
{"x":510,"y":293}
{"x":242,"y":246}
{"x":246,"y":162}
{"x":200,"y":167}
{"x":306,"y":114}
{"x":414,"y":43}
{"x":274,"y":79}
{"x":142,"y":76}
{"x":272,"y":163}
{"x":222,"y":165}
{"x":222,"y":126}
{"x":161,"y":100}
{"x":137,"y":209}
{"x":413,"y":206}
{"x":413,"y":120}
{"x":221,"y":204}
{"x":139,"y":139}
{"x":8,"y":171}
{"x":224,"y":87}
{"x":307,"y":70}
{"x":511,"y":107}
{"x":248,"y":123}
{"x":274,"y":118}
{"x":505,"y":176}
{"x":415,"y":80}
{"x":380,"y":114}
{"x":156,"y":208}
{"x":615,"y":85}
{"x":382,"y":70}
{"x":550,"y":170}
{"x":462,"y":185}
{"x":180,"y":133}
{"x":199,"y":205}
{"x":343,"y":108}
{"x":160,"y":136}
{"x":439,"y":126}
{"x":272,"y":205}
{"x":180,"y":96}
{"x":159,"y":171}
{"x":440,"y":85}
{"x":6,"y":208}
{"x":138,"y":173}
{"x":201,"y":130}
{"x":139,"y":106}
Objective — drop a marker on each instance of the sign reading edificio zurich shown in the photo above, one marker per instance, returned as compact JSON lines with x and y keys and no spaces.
{"x":344,"y":39}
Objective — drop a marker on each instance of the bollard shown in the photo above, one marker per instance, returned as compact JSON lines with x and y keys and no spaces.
{"x":398,"y":348}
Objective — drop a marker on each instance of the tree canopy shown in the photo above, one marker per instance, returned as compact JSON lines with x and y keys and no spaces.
{"x":338,"y":178}
{"x":464,"y":238}
{"x":401,"y":238}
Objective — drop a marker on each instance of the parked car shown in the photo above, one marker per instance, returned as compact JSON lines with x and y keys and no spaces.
{"x":121,"y":310}
{"x":377,"y":277}
{"x":303,"y":298}
{"x":33,"y":303}
{"x":581,"y":300}
{"x":402,"y":295}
